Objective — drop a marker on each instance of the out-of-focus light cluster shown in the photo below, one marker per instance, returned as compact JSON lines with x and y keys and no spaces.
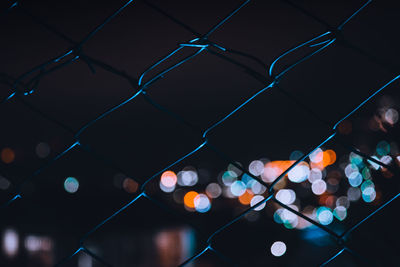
{"x":38,"y":243}
{"x":333,"y":184}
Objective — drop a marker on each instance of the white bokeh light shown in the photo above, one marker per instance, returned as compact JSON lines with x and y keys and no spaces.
{"x":299,"y":173}
{"x":202,"y":203}
{"x":278,"y":248}
{"x":315,"y":174}
{"x":256,"y":199}
{"x":256,"y":167}
{"x":10,"y":242}
{"x":318,"y":187}
{"x":286,"y":196}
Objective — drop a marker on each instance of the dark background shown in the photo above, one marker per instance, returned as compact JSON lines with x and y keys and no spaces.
{"x":139,"y":140}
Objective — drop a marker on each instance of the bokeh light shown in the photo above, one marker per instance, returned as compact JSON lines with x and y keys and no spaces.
{"x":369,"y":194}
{"x":318,"y":187}
{"x":286,"y":196}
{"x":353,"y":193}
{"x":278,"y":248}
{"x":340,"y":213}
{"x":71,"y":185}
{"x":316,"y":156}
{"x":246,"y":198}
{"x":4,"y":183}
{"x":187,"y":177}
{"x":315,"y":174}
{"x":383,"y":148}
{"x":167,"y":189}
{"x":188,"y":199}
{"x":213,"y":190}
{"x":324,"y":215}
{"x":351,"y":170}
{"x":355,"y":159}
{"x":343,"y":201}
{"x":238,"y":188}
{"x":256,"y":199}
{"x":289,"y":219}
{"x":202,"y":203}
{"x":229,"y":177}
{"x":10,"y":242}
{"x":168,"y":179}
{"x":299,"y":173}
{"x":42,"y":150}
{"x":256,"y":167}
{"x":329,"y":157}
{"x":235,"y":169}
{"x":273,"y":169}
{"x":391,"y":116}
{"x":355,"y":179}
{"x":38,"y":243}
{"x":7,"y":155}
{"x":130,"y":185}
{"x":256,"y":187}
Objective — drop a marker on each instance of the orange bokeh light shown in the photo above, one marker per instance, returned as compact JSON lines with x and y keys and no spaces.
{"x":188,"y":199}
{"x":130,"y":185}
{"x":7,"y":155}
{"x":328,"y":158}
{"x":245,"y":199}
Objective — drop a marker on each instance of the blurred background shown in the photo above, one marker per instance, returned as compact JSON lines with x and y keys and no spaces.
{"x":67,"y":190}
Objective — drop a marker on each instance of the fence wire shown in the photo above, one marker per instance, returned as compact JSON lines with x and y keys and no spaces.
{"x":28,"y":82}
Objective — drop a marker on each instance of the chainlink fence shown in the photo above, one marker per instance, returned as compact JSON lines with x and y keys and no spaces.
{"x":28,"y":83}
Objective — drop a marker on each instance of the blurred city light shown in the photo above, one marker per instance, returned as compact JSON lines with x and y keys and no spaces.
{"x":7,"y":155}
{"x":255,"y":200}
{"x":42,"y":150}
{"x":278,"y":248}
{"x":10,"y":242}
{"x":71,"y":185}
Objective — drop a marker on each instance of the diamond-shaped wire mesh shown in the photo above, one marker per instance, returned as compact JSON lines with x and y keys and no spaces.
{"x":88,"y":133}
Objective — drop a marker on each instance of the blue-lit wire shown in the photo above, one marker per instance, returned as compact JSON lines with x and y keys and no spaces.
{"x":332,"y":258}
{"x":365,"y":101}
{"x":94,"y":229}
{"x":83,"y":128}
{"x":238,"y":217}
{"x":219,"y":24}
{"x":203,"y":45}
{"x":236,"y":109}
{"x":330,"y":41}
{"x":348,"y":231}
{"x":194,"y":257}
{"x":143,"y":187}
{"x":300,"y":160}
{"x":353,"y":15}
{"x":106,"y":21}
